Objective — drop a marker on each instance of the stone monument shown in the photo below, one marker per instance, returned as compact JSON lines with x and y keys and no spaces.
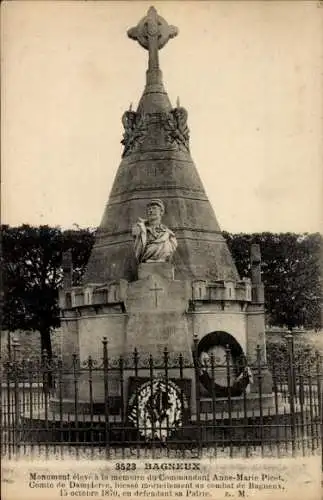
{"x":160,"y":274}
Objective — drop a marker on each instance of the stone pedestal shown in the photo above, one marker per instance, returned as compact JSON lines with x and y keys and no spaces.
{"x":156,"y":306}
{"x":163,"y":269}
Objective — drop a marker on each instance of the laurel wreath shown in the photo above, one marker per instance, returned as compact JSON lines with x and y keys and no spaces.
{"x":157,"y":409}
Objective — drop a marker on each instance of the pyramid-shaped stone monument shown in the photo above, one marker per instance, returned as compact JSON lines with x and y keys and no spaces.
{"x":160,"y":275}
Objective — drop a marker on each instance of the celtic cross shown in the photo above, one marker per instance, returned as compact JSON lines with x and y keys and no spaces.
{"x":152,"y":33}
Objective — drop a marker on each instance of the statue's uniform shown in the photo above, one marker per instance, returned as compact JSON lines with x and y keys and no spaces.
{"x":153,"y":244}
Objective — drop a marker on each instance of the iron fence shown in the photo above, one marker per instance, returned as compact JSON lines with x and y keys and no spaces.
{"x":137,"y":405}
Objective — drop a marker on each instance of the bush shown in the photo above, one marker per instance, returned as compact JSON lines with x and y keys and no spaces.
{"x":305,"y":357}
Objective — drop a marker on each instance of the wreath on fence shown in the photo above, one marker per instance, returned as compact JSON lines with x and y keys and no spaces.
{"x":157,"y":409}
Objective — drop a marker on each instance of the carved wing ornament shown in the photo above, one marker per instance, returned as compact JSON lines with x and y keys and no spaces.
{"x":174,"y":123}
{"x":176,"y":127}
{"x":135,"y":129}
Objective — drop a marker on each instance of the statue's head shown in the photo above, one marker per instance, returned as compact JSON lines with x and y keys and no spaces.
{"x":155,"y":210}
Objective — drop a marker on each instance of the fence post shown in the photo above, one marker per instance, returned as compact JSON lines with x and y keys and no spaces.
{"x":135,"y":361}
{"x":261,"y":417}
{"x":122,"y":409}
{"x":166,"y":356}
{"x":214,"y":430}
{"x":76,"y":400}
{"x":275,"y":374}
{"x":153,"y":428}
{"x":16,"y":397}
{"x":106,"y":396}
{"x":197,"y":393}
{"x":90,"y":383}
{"x":46,"y":382}
{"x":228,"y":366}
{"x":7,"y":423}
{"x":290,"y":339}
{"x":320,"y":399}
{"x":9,"y":345}
{"x":135,"y":365}
{"x":291,"y":388}
{"x":60,"y":396}
{"x":181,"y":376}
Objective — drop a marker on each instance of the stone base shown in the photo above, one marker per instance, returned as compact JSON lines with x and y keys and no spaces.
{"x":164,"y":269}
{"x":241,"y":405}
{"x":84,"y":408}
{"x":251,"y":430}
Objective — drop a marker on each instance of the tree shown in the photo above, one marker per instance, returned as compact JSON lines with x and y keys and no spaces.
{"x":32,"y":274}
{"x":291,"y":274}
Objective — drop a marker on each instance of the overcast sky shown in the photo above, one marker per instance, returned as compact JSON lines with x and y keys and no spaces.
{"x":249,"y":74}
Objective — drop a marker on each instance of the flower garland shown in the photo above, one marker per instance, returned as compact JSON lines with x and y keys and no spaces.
{"x":157,"y":409}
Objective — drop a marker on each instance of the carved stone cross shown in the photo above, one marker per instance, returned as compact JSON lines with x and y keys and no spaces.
{"x":152,"y":33}
{"x":156,"y":290}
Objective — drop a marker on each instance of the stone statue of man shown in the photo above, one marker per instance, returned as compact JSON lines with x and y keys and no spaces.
{"x":153,"y":242}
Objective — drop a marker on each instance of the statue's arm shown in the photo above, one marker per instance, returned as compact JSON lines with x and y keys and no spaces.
{"x":173,"y":240}
{"x":135,"y":230}
{"x":139,"y":234}
{"x":138,"y":228}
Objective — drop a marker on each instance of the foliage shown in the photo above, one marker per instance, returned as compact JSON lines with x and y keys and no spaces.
{"x":290,"y":272}
{"x":304,"y":358}
{"x":31,"y":274}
